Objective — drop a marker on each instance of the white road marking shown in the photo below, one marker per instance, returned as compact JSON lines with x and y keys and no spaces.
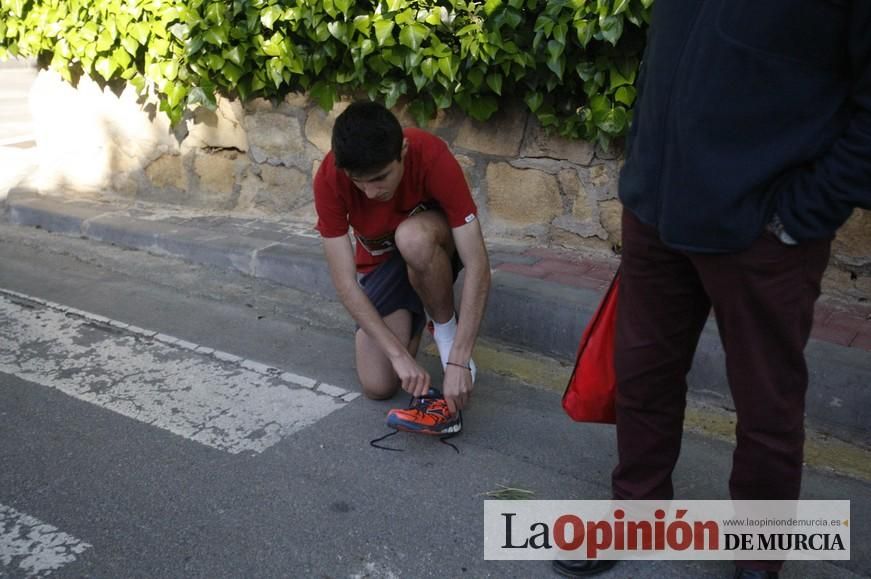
{"x":208,"y":396}
{"x":29,"y":546}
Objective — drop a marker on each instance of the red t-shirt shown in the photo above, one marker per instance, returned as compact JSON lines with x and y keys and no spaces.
{"x":431,"y":173}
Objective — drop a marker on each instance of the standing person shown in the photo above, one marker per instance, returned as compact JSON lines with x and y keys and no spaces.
{"x":750,"y":147}
{"x":415,"y":224}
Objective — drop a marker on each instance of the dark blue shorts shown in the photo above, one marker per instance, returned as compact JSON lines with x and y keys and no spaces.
{"x":389,"y":289}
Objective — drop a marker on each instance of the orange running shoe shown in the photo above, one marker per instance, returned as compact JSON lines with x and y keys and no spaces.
{"x":428,"y":414}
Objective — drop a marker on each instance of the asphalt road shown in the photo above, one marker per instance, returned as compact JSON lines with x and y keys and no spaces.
{"x":126,"y":456}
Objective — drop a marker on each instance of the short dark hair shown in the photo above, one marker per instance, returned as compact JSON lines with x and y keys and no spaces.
{"x":366,"y":138}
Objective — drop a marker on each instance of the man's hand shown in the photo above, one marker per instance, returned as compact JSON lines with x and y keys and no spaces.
{"x":457,"y":387}
{"x":415,"y":380}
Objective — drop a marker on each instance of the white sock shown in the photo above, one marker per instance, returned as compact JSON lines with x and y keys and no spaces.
{"x":443,"y":335}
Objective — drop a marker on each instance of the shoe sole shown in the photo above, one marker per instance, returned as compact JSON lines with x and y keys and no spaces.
{"x":406,"y":427}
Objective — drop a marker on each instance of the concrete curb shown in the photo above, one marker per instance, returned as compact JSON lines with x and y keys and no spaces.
{"x":523,"y":312}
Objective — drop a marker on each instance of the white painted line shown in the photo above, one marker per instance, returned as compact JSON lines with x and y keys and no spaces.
{"x":298,"y":380}
{"x":227,"y":357}
{"x":187,"y":345}
{"x":350,"y":396}
{"x":141,"y":331}
{"x":331,"y":390}
{"x":32,"y":548}
{"x":229,"y":407}
{"x":257,"y":367}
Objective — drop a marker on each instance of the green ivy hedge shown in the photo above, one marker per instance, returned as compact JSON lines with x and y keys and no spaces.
{"x":573,"y":62}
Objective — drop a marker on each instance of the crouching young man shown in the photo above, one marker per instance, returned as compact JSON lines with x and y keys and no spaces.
{"x":415,"y":225}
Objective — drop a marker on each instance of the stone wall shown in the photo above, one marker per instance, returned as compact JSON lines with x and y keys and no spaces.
{"x":259,"y":158}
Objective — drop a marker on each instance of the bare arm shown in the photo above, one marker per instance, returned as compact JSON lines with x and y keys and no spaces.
{"x":340,"y":258}
{"x":476,"y":287}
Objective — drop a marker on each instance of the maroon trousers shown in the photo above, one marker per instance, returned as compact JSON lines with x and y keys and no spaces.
{"x":763,"y":300}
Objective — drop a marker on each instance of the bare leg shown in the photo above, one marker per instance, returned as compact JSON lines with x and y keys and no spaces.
{"x":427,"y":246}
{"x":374,"y":369}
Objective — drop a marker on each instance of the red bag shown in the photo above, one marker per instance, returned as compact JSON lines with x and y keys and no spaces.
{"x":589,"y":396}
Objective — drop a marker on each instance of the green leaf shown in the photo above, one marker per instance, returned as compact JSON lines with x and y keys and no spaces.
{"x":216,"y":12}
{"x":614,"y":122}
{"x":121,"y":59}
{"x":104,"y":41}
{"x":585,"y":31}
{"x":343,"y":6}
{"x":215,"y":62}
{"x":475,"y":77}
{"x":269,"y":15}
{"x":394,"y":91}
{"x":105,"y":67}
{"x":130,"y":44}
{"x":620,"y":6}
{"x":324,"y":94}
{"x":418,"y":78}
{"x":413,"y":35}
{"x":494,"y":81}
{"x":140,"y":31}
{"x":338,"y":31}
{"x":625,"y":95}
{"x":429,"y":67}
{"x":200,"y":96}
{"x":556,"y":62}
{"x":442,"y":100}
{"x":612,"y":28}
{"x":405,"y":17}
{"x":491,"y":6}
{"x":231,"y":72}
{"x":274,"y":68}
{"x":383,"y":31}
{"x":534,"y":100}
{"x":362,"y":24}
{"x":560,"y":30}
{"x":447,"y":68}
{"x":180,"y":31}
{"x":169,"y":69}
{"x":216,"y":36}
{"x":421,"y":110}
{"x":175,"y":93}
{"x":235,"y":55}
{"x":482,"y":107}
{"x":138,"y":83}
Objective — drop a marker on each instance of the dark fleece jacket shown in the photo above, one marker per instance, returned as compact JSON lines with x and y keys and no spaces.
{"x":747,"y":108}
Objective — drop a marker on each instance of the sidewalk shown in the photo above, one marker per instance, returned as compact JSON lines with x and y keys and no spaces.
{"x":540,"y":299}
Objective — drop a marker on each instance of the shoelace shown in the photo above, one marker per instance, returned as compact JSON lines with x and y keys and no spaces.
{"x":411,"y":404}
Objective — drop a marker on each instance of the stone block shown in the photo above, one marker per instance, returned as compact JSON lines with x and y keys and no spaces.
{"x":222,"y":128}
{"x":837,"y":280}
{"x":539,"y":144}
{"x":216,"y":174}
{"x":522,"y":196}
{"x":600,"y":180}
{"x":319,"y":125}
{"x":167,"y":172}
{"x":853,"y":242}
{"x":500,"y":135}
{"x":610,"y":215}
{"x":275,"y":190}
{"x":574,"y":189}
{"x":297,"y":100}
{"x":274,"y":138}
{"x":579,"y":242}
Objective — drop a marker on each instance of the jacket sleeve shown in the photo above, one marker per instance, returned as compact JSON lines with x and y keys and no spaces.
{"x":814,"y":201}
